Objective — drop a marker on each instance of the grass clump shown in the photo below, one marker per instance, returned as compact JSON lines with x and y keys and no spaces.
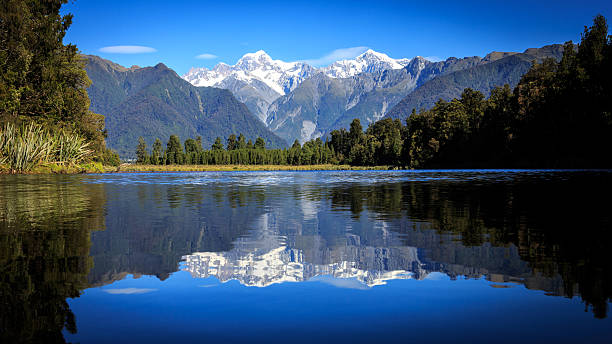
{"x":25,"y":147}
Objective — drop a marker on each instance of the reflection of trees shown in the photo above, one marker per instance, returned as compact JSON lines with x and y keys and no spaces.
{"x":559,"y":227}
{"x":45,"y":225}
{"x":150,"y":227}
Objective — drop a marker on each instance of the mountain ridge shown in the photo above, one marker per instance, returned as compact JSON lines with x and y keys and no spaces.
{"x":257,"y":80}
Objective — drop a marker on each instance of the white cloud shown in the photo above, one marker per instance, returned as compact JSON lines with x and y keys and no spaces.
{"x":127,"y":49}
{"x":129,"y":291}
{"x":206,"y":56}
{"x":433,"y":58}
{"x":336,"y":55}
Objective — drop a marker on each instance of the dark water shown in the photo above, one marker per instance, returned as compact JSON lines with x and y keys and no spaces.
{"x":428,"y":256}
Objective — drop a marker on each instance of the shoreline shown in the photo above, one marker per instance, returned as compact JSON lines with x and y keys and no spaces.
{"x":96,"y":168}
{"x":133,"y":168}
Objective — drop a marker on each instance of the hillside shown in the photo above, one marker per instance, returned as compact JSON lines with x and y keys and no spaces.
{"x":154,"y":102}
{"x":502,"y":68}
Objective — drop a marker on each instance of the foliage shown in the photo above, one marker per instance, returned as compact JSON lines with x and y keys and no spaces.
{"x":24,"y":147}
{"x":141,"y":151}
{"x":41,"y":79}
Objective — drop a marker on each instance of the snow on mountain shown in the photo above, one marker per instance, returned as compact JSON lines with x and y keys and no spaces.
{"x":257,"y":80}
{"x":280,"y":76}
{"x":368,"y":62}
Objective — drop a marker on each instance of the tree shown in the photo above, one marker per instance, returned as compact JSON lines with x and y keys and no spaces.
{"x":141,"y":152}
{"x":355,"y":132}
{"x":260,"y":143}
{"x":249,"y":144}
{"x":241,"y":142}
{"x":41,"y":79}
{"x":156,"y":152}
{"x":231,"y":142}
{"x":174,"y":151}
{"x":217,"y":145}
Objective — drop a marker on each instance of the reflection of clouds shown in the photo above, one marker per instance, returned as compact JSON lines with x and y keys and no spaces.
{"x":309,"y":209}
{"x":128,"y":291}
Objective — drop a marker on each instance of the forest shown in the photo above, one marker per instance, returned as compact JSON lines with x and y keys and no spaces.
{"x":558,"y":116}
{"x":44,"y":105}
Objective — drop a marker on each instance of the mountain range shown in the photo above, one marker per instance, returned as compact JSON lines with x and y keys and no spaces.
{"x":297,"y":101}
{"x":154,"y":102}
{"x":257,"y":80}
{"x":284,"y":101}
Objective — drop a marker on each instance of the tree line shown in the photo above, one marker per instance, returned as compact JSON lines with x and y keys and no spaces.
{"x":237,"y":151}
{"x":559,"y":115}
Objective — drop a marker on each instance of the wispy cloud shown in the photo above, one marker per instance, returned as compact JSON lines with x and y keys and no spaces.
{"x":128,"y":49}
{"x":336,"y":55}
{"x":433,"y":58}
{"x":206,"y":56}
{"x":129,"y":291}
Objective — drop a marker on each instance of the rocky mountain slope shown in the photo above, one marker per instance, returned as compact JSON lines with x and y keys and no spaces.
{"x":322,"y":103}
{"x":257,"y":80}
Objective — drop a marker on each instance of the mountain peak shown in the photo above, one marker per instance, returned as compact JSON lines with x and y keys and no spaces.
{"x":256,"y":55}
{"x":369,"y":61}
{"x":371,"y":52}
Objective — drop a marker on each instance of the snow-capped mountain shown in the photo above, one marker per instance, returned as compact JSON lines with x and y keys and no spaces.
{"x":280,"y":76}
{"x":368,"y":62}
{"x":257,"y":80}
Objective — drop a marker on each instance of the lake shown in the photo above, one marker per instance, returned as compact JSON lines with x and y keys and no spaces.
{"x":304,"y":257}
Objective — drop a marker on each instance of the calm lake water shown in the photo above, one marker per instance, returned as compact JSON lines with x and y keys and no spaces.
{"x":292,"y":257}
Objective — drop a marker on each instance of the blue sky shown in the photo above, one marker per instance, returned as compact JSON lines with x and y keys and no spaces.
{"x":178,"y":32}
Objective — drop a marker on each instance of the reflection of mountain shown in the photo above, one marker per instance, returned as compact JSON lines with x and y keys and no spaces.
{"x":254,"y":264}
{"x":263,"y":228}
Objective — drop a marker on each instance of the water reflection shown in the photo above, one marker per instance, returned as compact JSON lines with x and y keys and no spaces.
{"x":546,"y":229}
{"x":60,"y":235}
{"x":45,"y":226}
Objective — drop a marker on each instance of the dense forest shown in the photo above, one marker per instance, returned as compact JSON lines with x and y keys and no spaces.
{"x":559,"y":115}
{"x":236,"y":151}
{"x":44,"y":106}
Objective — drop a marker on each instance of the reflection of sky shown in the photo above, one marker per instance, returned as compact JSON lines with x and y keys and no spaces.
{"x":323,"y":310}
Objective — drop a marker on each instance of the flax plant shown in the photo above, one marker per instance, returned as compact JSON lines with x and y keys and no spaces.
{"x":23,"y":148}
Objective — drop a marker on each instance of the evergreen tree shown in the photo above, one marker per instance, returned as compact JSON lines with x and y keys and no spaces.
{"x":231,"y":142}
{"x":241,"y":142}
{"x":174,"y":151}
{"x":260,"y":143}
{"x":217,"y":145}
{"x":142,"y":157}
{"x":156,"y":152}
